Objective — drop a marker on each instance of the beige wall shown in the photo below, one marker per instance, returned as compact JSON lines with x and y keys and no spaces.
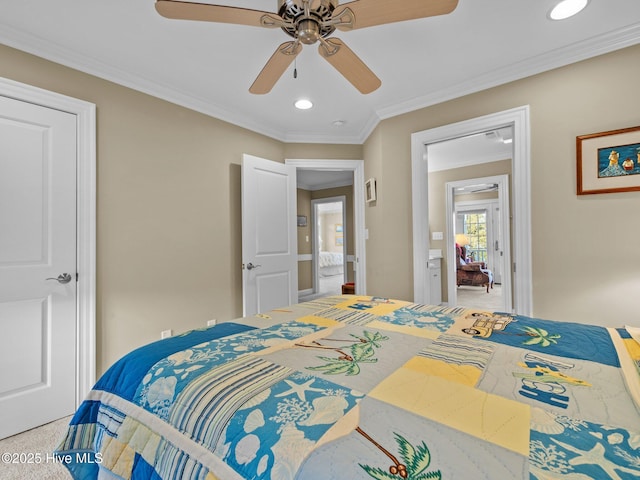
{"x":169,"y":198}
{"x":168,"y":206}
{"x":305,"y":267}
{"x":582,"y":267}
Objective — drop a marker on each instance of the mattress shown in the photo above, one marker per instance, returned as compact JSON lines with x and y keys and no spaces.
{"x":330,"y":259}
{"x":361,"y":387}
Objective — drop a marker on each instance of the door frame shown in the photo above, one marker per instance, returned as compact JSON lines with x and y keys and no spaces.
{"x":314,"y":237}
{"x":505,"y":235}
{"x":518,"y":119}
{"x":85,"y":113}
{"x":357,"y":167}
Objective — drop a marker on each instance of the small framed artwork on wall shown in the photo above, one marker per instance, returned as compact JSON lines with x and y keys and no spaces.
{"x":608,"y":162}
{"x":370,"y":190}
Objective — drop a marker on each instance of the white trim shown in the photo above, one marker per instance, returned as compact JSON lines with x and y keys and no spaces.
{"x":503,"y":203}
{"x":86,"y":221}
{"x":357,"y":166}
{"x":560,"y":57}
{"x":594,"y":46}
{"x":518,"y":119}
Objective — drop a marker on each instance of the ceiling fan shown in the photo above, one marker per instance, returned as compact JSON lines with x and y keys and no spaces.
{"x":311,"y":21}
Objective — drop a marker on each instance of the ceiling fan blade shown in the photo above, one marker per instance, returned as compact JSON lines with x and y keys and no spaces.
{"x":349,"y":65}
{"x":210,"y":13}
{"x":275,"y":67}
{"x":378,"y":12}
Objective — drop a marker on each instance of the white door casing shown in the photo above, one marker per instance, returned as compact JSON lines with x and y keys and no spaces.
{"x":518,"y":119}
{"x":67,"y":359}
{"x":269,"y":237}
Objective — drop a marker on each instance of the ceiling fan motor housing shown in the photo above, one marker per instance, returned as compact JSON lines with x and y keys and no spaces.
{"x":307,"y":27}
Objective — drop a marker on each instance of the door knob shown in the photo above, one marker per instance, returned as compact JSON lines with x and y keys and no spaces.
{"x":251,"y":266}
{"x":62,"y":278}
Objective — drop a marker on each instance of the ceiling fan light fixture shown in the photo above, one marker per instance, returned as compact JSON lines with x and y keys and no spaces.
{"x":308,"y":22}
{"x":303,"y":104}
{"x":567,"y":8}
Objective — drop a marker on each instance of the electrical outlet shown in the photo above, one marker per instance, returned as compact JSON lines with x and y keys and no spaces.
{"x":212,"y":322}
{"x":166,"y":334}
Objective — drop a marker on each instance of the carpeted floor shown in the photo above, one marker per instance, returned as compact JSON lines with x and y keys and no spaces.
{"x":328,"y":286}
{"x":28,"y":455}
{"x":477,"y":297}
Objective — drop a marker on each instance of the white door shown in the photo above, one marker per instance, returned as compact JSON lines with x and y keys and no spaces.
{"x":269,"y":237}
{"x":37,"y":243}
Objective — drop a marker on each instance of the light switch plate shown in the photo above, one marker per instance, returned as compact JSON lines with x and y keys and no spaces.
{"x":437,"y":236}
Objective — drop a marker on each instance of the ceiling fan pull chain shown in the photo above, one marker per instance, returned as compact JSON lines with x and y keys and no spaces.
{"x":295,"y":68}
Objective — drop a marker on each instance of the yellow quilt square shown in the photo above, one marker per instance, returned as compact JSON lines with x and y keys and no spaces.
{"x":462,"y":374}
{"x":320,"y":321}
{"x":495,"y":419}
{"x":117,"y":457}
{"x":373,"y":305}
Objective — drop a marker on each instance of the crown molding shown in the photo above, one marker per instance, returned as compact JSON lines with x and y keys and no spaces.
{"x":597,"y":45}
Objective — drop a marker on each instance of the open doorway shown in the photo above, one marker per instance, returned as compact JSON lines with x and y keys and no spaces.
{"x":328,"y":178}
{"x":480,"y":209}
{"x":329,"y":232}
{"x":426,"y":233}
{"x":478,"y":222}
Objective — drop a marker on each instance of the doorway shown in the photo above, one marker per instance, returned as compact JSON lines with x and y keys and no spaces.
{"x":357,"y":259}
{"x":478,"y":218}
{"x":518,"y":120}
{"x":329,"y":232}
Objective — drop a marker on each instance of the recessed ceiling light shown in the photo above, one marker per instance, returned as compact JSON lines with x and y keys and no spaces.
{"x":303,"y":104}
{"x":567,"y":8}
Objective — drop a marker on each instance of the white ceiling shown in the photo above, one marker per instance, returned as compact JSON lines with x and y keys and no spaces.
{"x":482,"y":147}
{"x":322,"y":179}
{"x":209,"y":67}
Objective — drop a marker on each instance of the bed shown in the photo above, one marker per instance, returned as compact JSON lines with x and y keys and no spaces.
{"x":331,"y":263}
{"x":360,"y":387}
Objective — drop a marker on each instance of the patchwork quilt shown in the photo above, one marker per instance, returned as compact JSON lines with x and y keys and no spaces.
{"x":360,"y":387}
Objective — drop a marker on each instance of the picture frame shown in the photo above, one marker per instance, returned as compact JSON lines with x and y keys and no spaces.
{"x":370,"y":190}
{"x":608,"y":162}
